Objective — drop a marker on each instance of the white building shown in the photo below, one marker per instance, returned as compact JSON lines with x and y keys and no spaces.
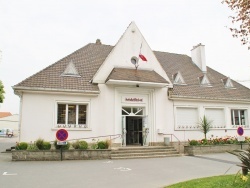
{"x":102,"y":90}
{"x":7,"y":120}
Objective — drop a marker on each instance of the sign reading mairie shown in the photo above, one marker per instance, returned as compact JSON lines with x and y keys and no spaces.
{"x":133,"y":99}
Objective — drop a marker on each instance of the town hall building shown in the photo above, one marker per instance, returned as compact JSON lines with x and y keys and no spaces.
{"x":131,"y":93}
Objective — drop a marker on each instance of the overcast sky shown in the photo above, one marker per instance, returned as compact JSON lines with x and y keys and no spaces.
{"x":35,"y":34}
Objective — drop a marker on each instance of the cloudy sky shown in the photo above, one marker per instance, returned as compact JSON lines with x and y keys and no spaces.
{"x":35,"y":34}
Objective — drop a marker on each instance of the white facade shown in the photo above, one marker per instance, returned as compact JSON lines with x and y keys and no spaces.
{"x":104,"y":114}
{"x":153,"y":113}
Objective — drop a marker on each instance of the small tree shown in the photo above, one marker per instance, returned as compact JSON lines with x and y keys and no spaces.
{"x":1,"y":92}
{"x":205,"y":125}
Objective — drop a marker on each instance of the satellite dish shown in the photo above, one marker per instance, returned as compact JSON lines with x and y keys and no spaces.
{"x":134,"y":60}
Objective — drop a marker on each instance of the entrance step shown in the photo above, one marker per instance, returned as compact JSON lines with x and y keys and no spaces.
{"x":144,"y":152}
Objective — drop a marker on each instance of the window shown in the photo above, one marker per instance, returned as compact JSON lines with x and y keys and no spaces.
{"x":204,"y":81}
{"x":238,"y":117}
{"x":186,"y":118}
{"x":132,"y":111}
{"x":71,"y":115}
{"x":178,"y":79}
{"x":216,"y":115}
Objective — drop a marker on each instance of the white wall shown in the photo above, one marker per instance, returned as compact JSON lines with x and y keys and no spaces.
{"x":219,"y":132}
{"x":104,"y":114}
{"x":39,"y":115}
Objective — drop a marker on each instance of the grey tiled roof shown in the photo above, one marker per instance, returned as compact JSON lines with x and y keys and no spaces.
{"x":88,"y":59}
{"x":136,"y":75}
{"x":172,"y":63}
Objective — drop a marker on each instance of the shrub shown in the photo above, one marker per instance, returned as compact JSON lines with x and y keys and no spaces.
{"x":108,"y":143}
{"x":65,"y":147}
{"x":193,"y":142}
{"x":32,"y":147}
{"x":94,"y":144}
{"x":22,"y":146}
{"x":102,"y":145}
{"x":83,"y":145}
{"x":204,"y":141}
{"x":39,"y":143}
{"x":46,"y":145}
{"x":75,"y":144}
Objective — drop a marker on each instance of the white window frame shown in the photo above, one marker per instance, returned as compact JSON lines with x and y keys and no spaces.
{"x":232,"y":112}
{"x":72,"y":126}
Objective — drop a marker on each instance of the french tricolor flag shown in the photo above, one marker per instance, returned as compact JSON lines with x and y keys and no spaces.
{"x":143,"y":58}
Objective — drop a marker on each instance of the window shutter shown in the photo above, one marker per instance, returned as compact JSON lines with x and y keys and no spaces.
{"x":187,"y":118}
{"x":217,"y":117}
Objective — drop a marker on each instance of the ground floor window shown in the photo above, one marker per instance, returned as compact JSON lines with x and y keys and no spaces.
{"x":238,"y":117}
{"x":72,"y":115}
{"x":186,"y":118}
{"x":216,"y":116}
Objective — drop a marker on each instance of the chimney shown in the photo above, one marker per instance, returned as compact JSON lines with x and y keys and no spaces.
{"x":198,"y":57}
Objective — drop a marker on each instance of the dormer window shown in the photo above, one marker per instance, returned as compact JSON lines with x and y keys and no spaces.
{"x":70,"y":70}
{"x":228,"y":83}
{"x":178,"y":79}
{"x":204,"y":81}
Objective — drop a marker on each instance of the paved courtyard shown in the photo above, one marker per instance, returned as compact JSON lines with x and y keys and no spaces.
{"x":133,"y":173}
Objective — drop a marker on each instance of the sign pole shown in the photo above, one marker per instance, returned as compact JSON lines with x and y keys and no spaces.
{"x":61,"y":136}
{"x":61,"y":153}
{"x":240,"y":132}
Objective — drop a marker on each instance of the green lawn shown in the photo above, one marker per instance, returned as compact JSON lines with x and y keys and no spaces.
{"x":227,"y":181}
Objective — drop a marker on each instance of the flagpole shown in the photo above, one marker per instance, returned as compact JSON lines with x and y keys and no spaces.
{"x":136,"y":66}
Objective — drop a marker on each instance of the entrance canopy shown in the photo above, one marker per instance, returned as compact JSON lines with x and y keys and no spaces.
{"x":135,"y":77}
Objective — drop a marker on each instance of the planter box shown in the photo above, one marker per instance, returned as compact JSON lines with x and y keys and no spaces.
{"x":55,"y":155}
{"x":199,"y":150}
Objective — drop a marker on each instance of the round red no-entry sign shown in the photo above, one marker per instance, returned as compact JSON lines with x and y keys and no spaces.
{"x":62,"y":135}
{"x":240,"y":131}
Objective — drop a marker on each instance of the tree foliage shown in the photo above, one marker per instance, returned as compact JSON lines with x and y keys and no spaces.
{"x":1,"y":92}
{"x":240,"y":20}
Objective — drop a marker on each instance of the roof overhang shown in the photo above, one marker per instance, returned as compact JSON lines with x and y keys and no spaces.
{"x":19,"y":90}
{"x":189,"y":98}
{"x":138,"y":83}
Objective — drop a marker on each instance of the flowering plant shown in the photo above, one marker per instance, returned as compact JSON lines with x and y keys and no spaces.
{"x":217,"y":141}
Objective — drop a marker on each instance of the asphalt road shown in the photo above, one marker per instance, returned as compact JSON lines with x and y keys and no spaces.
{"x":133,"y":173}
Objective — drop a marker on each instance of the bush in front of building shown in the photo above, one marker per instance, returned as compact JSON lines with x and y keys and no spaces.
{"x":193,"y":142}
{"x":39,"y":143}
{"x":65,"y":147}
{"x":83,"y":145}
{"x":46,"y":145}
{"x":102,"y":145}
{"x":42,"y":145}
{"x":80,"y":144}
{"x":75,"y":144}
{"x":21,"y":146}
{"x":32,"y":147}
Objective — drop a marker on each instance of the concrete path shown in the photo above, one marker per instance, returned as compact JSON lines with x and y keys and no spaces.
{"x":133,"y":173}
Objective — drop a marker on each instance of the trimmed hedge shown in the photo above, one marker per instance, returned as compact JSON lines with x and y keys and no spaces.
{"x":22,"y":146}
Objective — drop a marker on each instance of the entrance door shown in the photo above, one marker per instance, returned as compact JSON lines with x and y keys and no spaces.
{"x":134,"y":130}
